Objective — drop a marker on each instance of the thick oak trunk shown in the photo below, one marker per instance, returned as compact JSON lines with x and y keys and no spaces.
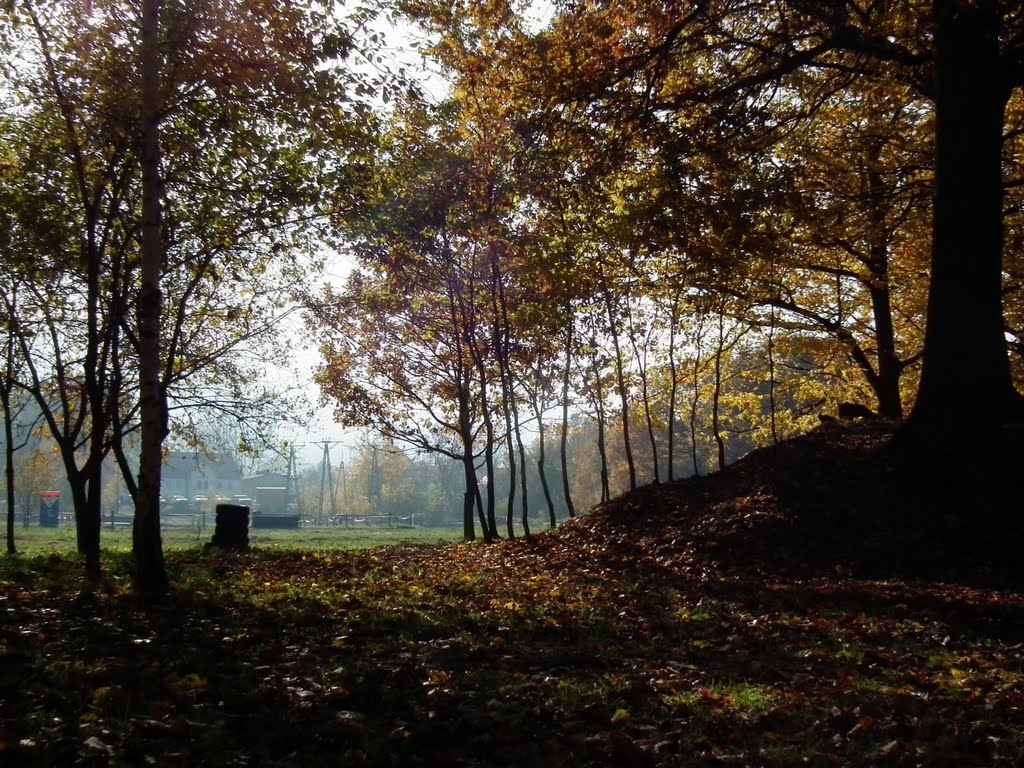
{"x":954,"y":437}
{"x":966,"y":370}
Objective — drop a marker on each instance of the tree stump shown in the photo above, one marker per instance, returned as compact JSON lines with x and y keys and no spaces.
{"x":232,"y":527}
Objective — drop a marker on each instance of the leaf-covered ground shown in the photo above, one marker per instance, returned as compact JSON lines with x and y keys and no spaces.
{"x":758,"y":617}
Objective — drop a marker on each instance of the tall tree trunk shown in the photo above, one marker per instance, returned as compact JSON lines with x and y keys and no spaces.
{"x":499,"y":310}
{"x":490,"y":523}
{"x":968,"y":229}
{"x":524,"y":490}
{"x":480,"y":509}
{"x":150,"y":573}
{"x":5,"y":399}
{"x":510,"y":447}
{"x":86,"y":529}
{"x":507,"y":408}
{"x":515,"y":445}
{"x":541,"y":452}
{"x":639,"y":355}
{"x":966,"y":388}
{"x":471,"y":500}
{"x":468,"y":497}
{"x":627,"y":446}
{"x":6,"y":390}
{"x":563,"y":446}
{"x":673,"y":388}
{"x":627,"y":441}
{"x":959,"y":460}
{"x":890,"y":405}
{"x":602,"y":448}
{"x":772,"y":404}
{"x":468,"y":468}
{"x":88,"y":520}
{"x":695,"y":400}
{"x":492,"y":520}
{"x":717,"y":395}
{"x":93,"y":511}
{"x":466,"y":432}
{"x":887,"y":382}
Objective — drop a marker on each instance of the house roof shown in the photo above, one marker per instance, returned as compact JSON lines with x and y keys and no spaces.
{"x":180,"y":464}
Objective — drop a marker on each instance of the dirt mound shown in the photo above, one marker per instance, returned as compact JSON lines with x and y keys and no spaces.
{"x":833,"y":502}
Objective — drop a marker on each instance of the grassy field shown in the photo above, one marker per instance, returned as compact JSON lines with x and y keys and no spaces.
{"x":34,"y":539}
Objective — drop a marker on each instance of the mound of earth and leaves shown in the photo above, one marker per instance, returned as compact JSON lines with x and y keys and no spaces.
{"x":763,"y":616}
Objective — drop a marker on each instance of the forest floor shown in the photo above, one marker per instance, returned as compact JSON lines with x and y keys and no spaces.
{"x":769,"y":615}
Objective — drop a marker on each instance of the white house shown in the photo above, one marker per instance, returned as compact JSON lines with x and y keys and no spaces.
{"x":197,"y":473}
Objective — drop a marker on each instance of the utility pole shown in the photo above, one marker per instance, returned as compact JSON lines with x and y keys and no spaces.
{"x":291,"y":483}
{"x":334,"y":492}
{"x":373,"y":482}
{"x":326,"y":480}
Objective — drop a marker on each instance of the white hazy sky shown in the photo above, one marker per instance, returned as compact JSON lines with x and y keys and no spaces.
{"x":299,"y":373}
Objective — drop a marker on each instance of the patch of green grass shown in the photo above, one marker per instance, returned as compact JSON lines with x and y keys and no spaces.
{"x":327,"y":538}
{"x":871,"y":685}
{"x":850,"y":654}
{"x":684,"y":613}
{"x":742,"y":696}
{"x":34,"y":539}
{"x":574,"y":694}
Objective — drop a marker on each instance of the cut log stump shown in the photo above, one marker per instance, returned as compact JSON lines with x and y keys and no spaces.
{"x":232,"y":527}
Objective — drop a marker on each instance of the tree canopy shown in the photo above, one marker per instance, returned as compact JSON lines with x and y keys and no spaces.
{"x":833,"y":184}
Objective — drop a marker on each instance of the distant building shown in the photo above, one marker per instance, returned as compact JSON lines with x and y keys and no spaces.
{"x":197,"y":473}
{"x":265,"y":480}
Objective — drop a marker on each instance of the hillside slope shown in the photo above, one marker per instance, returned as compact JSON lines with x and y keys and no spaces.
{"x":830,"y":502}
